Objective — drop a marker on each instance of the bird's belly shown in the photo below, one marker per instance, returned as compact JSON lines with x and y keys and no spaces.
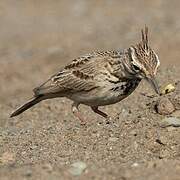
{"x":105,"y":96}
{"x":100,"y":99}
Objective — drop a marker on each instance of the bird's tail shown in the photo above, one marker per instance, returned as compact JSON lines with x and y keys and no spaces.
{"x":27,"y":105}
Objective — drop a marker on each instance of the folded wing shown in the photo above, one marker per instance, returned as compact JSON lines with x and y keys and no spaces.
{"x":82,"y":74}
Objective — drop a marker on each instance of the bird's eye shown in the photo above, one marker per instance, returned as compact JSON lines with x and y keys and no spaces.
{"x":136,"y":68}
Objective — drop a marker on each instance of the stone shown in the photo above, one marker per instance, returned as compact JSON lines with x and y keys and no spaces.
{"x":164,"y":106}
{"x":77,"y":168}
{"x":170,"y":121}
{"x":167,"y":89}
{"x":113,"y":139}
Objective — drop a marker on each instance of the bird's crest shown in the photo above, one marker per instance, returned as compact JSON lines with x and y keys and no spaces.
{"x":144,"y":34}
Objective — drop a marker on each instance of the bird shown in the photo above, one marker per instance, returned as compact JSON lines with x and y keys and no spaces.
{"x":100,"y":78}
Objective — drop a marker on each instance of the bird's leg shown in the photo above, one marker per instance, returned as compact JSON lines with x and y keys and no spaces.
{"x":77,"y":113}
{"x":96,"y":110}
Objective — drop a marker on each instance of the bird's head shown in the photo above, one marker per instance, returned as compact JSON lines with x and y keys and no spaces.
{"x":144,"y":61}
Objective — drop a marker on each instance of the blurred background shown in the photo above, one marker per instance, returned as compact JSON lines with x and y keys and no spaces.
{"x":37,"y":38}
{"x":40,"y":36}
{"x":30,"y":28}
{"x":43,"y":28}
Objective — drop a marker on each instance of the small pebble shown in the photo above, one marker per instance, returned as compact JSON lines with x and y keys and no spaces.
{"x":124,"y":112}
{"x":167,"y":89}
{"x":113,"y":139}
{"x":77,"y":168}
{"x":170,"y":121}
{"x":135,"y":164}
{"x":164,"y":106}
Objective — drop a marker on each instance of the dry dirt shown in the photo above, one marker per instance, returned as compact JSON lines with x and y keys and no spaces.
{"x":36,"y":39}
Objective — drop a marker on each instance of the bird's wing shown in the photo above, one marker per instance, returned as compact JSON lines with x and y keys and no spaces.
{"x":82,"y":74}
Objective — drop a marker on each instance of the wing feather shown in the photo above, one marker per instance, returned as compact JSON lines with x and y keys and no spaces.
{"x":82,"y":74}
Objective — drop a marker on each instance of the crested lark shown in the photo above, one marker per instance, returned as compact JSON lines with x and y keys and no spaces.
{"x":100,"y":78}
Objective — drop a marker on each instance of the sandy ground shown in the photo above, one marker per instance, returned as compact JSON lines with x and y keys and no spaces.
{"x":37,"y":39}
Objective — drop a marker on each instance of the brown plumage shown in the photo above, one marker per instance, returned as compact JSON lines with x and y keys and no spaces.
{"x":100,"y":78}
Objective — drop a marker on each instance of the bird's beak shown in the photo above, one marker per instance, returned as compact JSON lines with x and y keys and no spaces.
{"x":154,"y":84}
